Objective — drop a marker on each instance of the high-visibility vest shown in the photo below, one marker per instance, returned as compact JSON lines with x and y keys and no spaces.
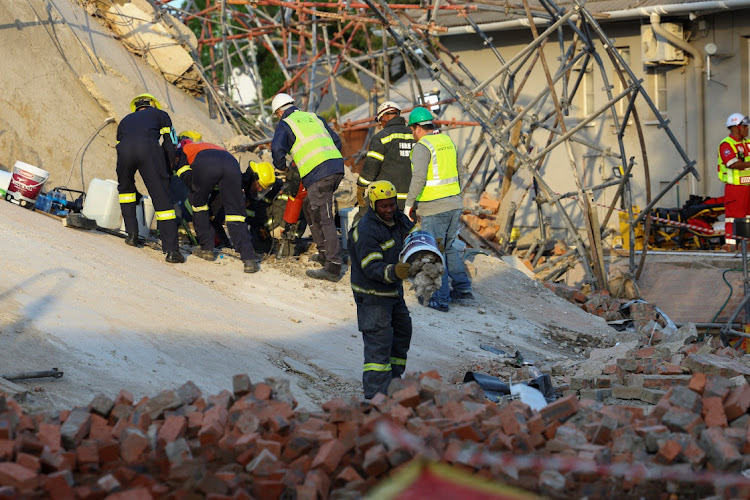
{"x":312,"y":143}
{"x":733,"y":175}
{"x":442,"y":173}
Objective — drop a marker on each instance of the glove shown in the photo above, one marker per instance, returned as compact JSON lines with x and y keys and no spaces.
{"x":402,"y":270}
{"x":408,"y":210}
{"x":440,"y":245}
{"x":361,"y":196}
{"x":277,"y":232}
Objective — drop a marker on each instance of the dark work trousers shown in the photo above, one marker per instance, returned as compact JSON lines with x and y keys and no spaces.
{"x":211,"y":167}
{"x":147,"y":157}
{"x":386,"y":331}
{"x":318,"y":210}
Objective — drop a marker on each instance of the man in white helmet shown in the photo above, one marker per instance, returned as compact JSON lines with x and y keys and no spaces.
{"x":316,"y":151}
{"x":734,"y":171}
{"x":388,"y":156}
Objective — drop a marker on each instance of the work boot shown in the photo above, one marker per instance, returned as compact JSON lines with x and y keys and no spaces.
{"x":459,"y":296}
{"x":132,"y":239}
{"x":330,"y":273}
{"x":318,"y":258}
{"x":175,"y":257}
{"x":251,"y":266}
{"x":204,"y":254}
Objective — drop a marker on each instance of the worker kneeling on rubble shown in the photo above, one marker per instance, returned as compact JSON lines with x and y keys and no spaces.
{"x":138,"y":149}
{"x":201,"y":166}
{"x":374,"y":244}
{"x":267,"y":200}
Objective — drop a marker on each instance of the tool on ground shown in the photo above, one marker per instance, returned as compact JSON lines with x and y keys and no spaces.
{"x":53,"y":373}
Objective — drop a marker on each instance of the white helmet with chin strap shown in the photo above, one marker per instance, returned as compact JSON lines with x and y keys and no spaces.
{"x":281,"y":100}
{"x":388,"y":107}
{"x":737,"y":119}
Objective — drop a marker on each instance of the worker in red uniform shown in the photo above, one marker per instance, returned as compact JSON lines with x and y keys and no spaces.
{"x":734,"y":171}
{"x":202,"y":166}
{"x":138,"y":149}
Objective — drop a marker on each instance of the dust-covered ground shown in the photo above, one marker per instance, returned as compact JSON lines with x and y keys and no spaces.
{"x":114,"y":317}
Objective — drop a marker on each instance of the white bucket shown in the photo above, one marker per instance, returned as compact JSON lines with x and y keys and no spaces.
{"x":4,"y":182}
{"x":418,"y":241}
{"x":144,"y":212}
{"x":25,"y":184}
{"x":103,"y":203}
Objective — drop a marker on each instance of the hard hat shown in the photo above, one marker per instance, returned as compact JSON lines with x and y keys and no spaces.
{"x":281,"y":100}
{"x":190,"y":134}
{"x":265,"y":174}
{"x":386,"y":107}
{"x":142,"y":100}
{"x":420,"y":116}
{"x":381,"y":190}
{"x":737,"y":119}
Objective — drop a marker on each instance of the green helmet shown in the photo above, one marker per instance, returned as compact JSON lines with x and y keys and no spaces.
{"x":420,"y":116}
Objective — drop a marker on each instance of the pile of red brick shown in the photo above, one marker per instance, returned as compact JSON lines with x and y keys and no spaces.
{"x":252,"y":443}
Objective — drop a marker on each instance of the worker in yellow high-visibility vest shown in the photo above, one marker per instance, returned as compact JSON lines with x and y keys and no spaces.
{"x":435,"y":190}
{"x":734,"y":171}
{"x":316,"y":152}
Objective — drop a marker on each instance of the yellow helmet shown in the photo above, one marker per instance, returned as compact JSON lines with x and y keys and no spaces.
{"x":144,"y":100}
{"x":381,"y":190}
{"x":264,"y":172}
{"x":190,"y":134}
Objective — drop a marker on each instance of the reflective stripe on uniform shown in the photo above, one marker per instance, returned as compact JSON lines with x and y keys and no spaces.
{"x":389,"y":138}
{"x":370,"y":258}
{"x":269,"y":222}
{"x":235,"y":218}
{"x":165,"y":130}
{"x":386,"y":278}
{"x":359,"y":289}
{"x":398,"y":361}
{"x":377,"y":156}
{"x":376,"y":367}
{"x":442,"y":182}
{"x":166,"y":215}
{"x":250,"y":213}
{"x":183,"y":170}
{"x":202,"y":208}
{"x":127,"y":197}
{"x":388,"y":244}
{"x":363,"y":182}
{"x":402,"y":196}
{"x":355,"y":234}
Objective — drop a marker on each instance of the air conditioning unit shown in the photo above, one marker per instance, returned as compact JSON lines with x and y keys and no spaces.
{"x":657,"y":50}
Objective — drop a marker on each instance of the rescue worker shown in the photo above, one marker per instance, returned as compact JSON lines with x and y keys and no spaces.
{"x":734,"y":171}
{"x":316,"y":151}
{"x":138,"y":149}
{"x":266,"y":198}
{"x":374,"y":244}
{"x":436,"y":190}
{"x":202,"y":166}
{"x":388,"y":156}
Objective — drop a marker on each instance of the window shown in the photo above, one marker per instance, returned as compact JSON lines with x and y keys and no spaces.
{"x":657,"y":88}
{"x":622,"y":105}
{"x":588,"y":92}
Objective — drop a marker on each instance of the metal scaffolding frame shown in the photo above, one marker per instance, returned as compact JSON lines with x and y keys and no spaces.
{"x":313,"y":45}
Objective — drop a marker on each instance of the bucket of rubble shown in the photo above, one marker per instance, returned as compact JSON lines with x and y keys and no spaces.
{"x":427,"y":263}
{"x":25,"y":184}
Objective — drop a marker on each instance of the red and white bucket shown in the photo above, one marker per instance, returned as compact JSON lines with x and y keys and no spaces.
{"x":25,"y":184}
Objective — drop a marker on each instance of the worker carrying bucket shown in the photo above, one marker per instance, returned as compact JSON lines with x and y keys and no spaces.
{"x":427,"y":263}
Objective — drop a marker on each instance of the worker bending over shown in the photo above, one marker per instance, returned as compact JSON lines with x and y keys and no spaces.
{"x":316,"y":151}
{"x":138,"y":149}
{"x":374,"y":244}
{"x":201,"y":166}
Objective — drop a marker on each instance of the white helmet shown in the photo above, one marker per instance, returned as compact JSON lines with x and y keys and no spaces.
{"x":737,"y":119}
{"x":281,"y":100}
{"x":386,"y":107}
